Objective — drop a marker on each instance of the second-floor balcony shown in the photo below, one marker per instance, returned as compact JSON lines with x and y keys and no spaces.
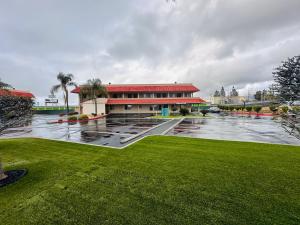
{"x":152,"y":95}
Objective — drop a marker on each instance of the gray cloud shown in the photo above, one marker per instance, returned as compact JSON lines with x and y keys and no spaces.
{"x":210,"y":43}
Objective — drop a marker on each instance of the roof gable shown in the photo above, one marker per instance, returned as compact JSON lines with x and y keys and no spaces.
{"x":17,"y":93}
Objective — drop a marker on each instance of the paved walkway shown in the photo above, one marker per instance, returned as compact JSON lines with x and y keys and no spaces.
{"x":158,"y":130}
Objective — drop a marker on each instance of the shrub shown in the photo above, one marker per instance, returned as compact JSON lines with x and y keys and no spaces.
{"x":72,"y":118}
{"x":83,"y":117}
{"x":226,"y":107}
{"x":14,"y":111}
{"x":257,"y":108}
{"x":204,"y":111}
{"x":231,"y":108}
{"x":248,"y":108}
{"x":184,"y":111}
{"x":273,"y":108}
{"x":285,"y":109}
{"x":221,"y":107}
{"x":73,"y":113}
{"x":174,"y":109}
{"x":237,"y":108}
{"x":296,"y":109}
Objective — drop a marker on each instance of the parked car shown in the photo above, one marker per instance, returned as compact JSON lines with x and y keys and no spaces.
{"x":214,"y":109}
{"x":296,"y":103}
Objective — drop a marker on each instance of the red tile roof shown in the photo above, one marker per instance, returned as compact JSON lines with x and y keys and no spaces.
{"x":17,"y":93}
{"x":122,"y":88}
{"x":149,"y":101}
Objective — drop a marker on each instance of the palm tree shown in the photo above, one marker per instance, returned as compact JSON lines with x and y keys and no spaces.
{"x":93,"y":89}
{"x":65,"y":81}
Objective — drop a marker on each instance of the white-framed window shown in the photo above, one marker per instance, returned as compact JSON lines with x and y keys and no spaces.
{"x":172,"y":95}
{"x":188,"y":95}
{"x":127,"y":107}
{"x":132,"y":95}
{"x":161,"y":95}
{"x":117,"y":95}
{"x":155,"y":107}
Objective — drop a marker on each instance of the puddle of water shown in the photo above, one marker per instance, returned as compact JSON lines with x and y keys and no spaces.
{"x":111,"y":131}
{"x":105,"y":131}
{"x":238,"y":128}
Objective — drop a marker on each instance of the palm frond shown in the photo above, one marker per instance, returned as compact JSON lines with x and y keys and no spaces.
{"x":55,"y":88}
{"x":61,"y":76}
{"x":93,"y":88}
{"x":101,"y":90}
{"x":85,"y":89}
{"x":65,"y":78}
{"x":70,"y":76}
{"x":94,"y":82}
{"x":72,"y":84}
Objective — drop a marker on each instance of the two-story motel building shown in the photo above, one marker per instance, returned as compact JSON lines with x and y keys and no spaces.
{"x":141,"y":99}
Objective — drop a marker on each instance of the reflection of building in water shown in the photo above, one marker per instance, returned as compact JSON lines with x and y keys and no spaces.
{"x":220,"y":98}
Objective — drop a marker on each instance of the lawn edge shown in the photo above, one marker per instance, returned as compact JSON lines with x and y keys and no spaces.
{"x":148,"y":136}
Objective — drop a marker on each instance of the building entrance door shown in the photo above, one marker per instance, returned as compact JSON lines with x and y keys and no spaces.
{"x":165,"y":110}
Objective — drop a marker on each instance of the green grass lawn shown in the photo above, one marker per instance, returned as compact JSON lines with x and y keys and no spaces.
{"x":51,"y":108}
{"x":159,"y":180}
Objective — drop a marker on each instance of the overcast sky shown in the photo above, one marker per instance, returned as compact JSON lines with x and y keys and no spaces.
{"x":206,"y":42}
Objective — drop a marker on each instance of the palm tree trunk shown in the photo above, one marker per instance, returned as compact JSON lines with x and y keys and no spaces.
{"x":2,"y":174}
{"x":67,"y":100}
{"x":96,"y":108}
{"x":95,"y":102}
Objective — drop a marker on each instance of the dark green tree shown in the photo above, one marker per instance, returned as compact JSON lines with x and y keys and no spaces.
{"x":287,"y":79}
{"x":248,"y":108}
{"x":287,"y":87}
{"x":204,"y":111}
{"x":184,"y":111}
{"x":257,"y":108}
{"x":14,"y":111}
{"x":258,"y":95}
